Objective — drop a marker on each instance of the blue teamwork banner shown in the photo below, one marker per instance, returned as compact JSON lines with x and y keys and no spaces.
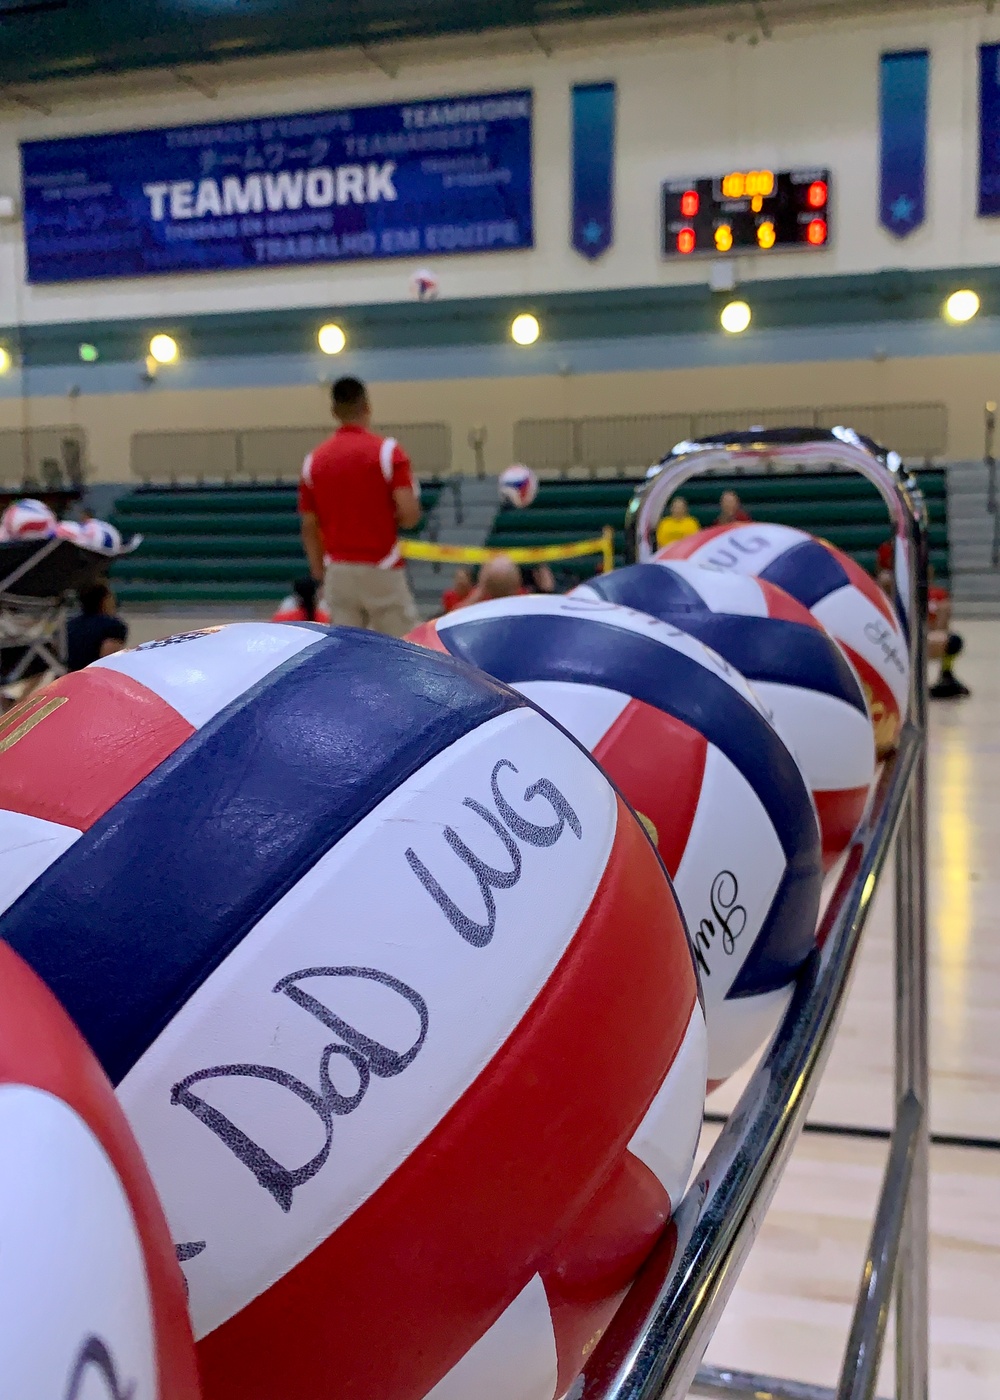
{"x":989,"y":129}
{"x":903,"y":130}
{"x":593,"y":167}
{"x":449,"y":175}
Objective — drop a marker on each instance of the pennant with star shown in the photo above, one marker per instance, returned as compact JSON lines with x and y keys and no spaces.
{"x":593,"y":168}
{"x":903,"y":85}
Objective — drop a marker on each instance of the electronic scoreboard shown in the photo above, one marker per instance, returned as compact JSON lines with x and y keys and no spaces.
{"x":746,"y":211}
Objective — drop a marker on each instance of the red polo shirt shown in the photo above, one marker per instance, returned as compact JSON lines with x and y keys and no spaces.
{"x":347,"y":483}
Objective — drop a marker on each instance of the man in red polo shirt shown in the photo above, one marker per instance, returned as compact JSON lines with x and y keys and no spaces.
{"x":356,"y":493}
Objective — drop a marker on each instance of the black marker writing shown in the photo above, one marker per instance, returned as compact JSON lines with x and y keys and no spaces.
{"x":94,"y":1357}
{"x":488,"y":877}
{"x":365,"y":1055}
{"x":729,"y":919}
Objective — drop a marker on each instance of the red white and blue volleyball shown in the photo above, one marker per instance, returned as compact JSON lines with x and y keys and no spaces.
{"x":73,"y":531}
{"x":689,"y":744}
{"x":27,"y":519}
{"x":392,"y":986}
{"x":518,"y":486}
{"x":837,"y":592}
{"x":91,"y":1297}
{"x":101,"y":535}
{"x":424,"y":285}
{"x":795,"y":667}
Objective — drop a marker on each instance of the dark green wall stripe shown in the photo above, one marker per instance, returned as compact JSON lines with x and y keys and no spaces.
{"x":802,"y":302}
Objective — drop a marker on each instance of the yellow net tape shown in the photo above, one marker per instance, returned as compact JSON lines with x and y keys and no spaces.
{"x":526,"y":554}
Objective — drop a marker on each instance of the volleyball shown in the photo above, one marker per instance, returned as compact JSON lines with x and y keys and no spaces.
{"x":27,"y":520}
{"x":688,"y":743}
{"x":71,"y":530}
{"x":518,"y":486}
{"x":797,"y":670}
{"x":102,"y":536}
{"x":393,"y":989}
{"x":424,"y":285}
{"x":837,"y":592}
{"x":91,"y":1296}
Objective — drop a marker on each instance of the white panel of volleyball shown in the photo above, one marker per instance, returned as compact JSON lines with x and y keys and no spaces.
{"x":654,"y":1346}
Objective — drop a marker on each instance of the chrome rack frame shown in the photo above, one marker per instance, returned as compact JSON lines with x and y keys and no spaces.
{"x":655,"y":1343}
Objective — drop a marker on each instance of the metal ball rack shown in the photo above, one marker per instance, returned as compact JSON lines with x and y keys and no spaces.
{"x":655,"y":1343}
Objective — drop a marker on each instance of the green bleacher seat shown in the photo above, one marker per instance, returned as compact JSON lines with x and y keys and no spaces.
{"x":238,"y":544}
{"x":845,"y":509}
{"x":214,"y":544}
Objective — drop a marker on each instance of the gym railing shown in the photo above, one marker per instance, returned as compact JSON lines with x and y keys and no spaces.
{"x":656,"y":1341}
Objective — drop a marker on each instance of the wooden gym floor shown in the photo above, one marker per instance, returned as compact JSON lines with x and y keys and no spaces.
{"x":790,"y":1312}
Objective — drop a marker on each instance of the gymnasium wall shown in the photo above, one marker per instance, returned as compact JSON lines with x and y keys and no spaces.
{"x":646,"y":338}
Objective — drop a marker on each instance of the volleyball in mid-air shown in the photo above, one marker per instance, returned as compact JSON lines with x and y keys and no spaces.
{"x":796,"y":668}
{"x":91,"y":1297}
{"x":688,"y":743}
{"x":424,"y":285}
{"x":408,"y":1028}
{"x":27,"y":520}
{"x":518,"y":486}
{"x":837,"y":592}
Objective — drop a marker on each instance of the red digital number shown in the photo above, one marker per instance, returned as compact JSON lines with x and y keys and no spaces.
{"x":690,"y":204}
{"x":816,"y":195}
{"x":686,"y":240}
{"x":816,"y":232}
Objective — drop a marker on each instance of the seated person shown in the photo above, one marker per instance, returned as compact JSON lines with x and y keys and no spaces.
{"x":301,"y":605}
{"x":461,"y":587}
{"x":677,"y":525}
{"x":731,"y":510}
{"x":96,"y":630}
{"x":498,"y":578}
{"x":541,"y":579}
{"x":942,"y":643}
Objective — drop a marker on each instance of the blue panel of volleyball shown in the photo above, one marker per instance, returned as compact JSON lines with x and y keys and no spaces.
{"x":410,"y":964}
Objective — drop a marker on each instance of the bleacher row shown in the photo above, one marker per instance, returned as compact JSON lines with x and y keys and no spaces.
{"x":219,"y":544}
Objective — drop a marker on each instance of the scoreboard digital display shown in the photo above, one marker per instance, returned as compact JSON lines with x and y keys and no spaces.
{"x":746,"y":211}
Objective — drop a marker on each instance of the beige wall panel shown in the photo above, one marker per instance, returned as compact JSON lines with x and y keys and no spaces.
{"x":963,"y":383}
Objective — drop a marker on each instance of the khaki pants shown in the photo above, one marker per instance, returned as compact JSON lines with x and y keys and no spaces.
{"x":360,"y":595}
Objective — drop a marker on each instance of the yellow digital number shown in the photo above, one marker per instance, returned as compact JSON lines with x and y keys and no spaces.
{"x":723,"y":238}
{"x":760,"y":182}
{"x":766,"y":234}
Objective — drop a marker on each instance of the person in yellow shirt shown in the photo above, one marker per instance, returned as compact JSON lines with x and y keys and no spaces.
{"x":677,"y":525}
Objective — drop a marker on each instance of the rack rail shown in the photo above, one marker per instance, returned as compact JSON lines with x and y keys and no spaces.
{"x":655,"y":1344}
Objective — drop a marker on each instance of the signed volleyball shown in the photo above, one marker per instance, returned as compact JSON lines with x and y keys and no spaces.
{"x":837,"y":592}
{"x":394,"y":991}
{"x":27,"y":520}
{"x":689,"y":744}
{"x":101,"y":535}
{"x":795,"y":667}
{"x":91,"y":1297}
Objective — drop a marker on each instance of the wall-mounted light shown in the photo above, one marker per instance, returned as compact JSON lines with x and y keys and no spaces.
{"x":5,"y":359}
{"x":163,"y":349}
{"x":331,"y":338}
{"x":961,"y":306}
{"x":735,"y":317}
{"x":524,"y":329}
{"x":88,"y":353}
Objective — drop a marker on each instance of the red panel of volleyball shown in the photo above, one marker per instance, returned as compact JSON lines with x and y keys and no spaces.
{"x":504,"y":1224}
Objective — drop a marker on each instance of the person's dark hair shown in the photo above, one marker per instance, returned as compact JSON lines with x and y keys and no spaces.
{"x":305,"y":590}
{"x":92,"y":598}
{"x":348,"y":393}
